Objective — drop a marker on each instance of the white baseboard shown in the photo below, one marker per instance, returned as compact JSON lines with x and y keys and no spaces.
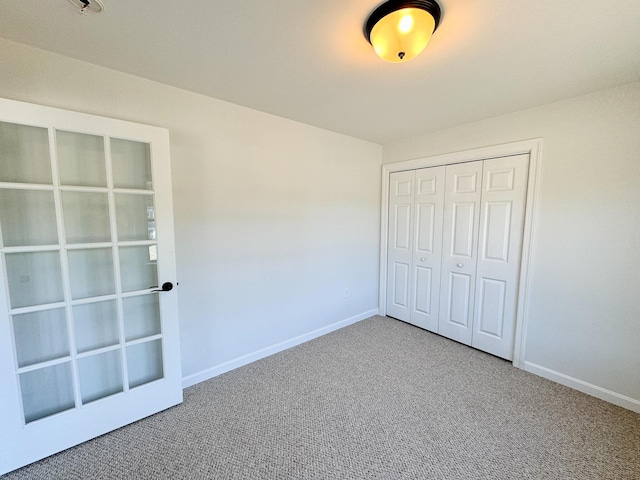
{"x":584,"y":387}
{"x":265,"y":352}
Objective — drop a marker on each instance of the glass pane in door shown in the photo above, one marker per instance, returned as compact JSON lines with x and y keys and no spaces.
{"x":91,"y":273}
{"x":27,"y":217}
{"x":96,"y":325}
{"x":24,"y":154}
{"x":86,"y":217}
{"x":144,"y":363}
{"x":137,"y":268}
{"x":131,"y":163}
{"x":81,"y":159}
{"x":100,"y":375}
{"x":135,"y":215}
{"x":141,"y":316}
{"x":47,"y":391}
{"x":40,"y":336}
{"x":35,"y":278}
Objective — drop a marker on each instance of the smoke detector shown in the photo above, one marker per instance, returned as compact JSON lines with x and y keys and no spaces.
{"x":83,"y":6}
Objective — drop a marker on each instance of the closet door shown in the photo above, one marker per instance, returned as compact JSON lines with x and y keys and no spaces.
{"x":504,"y":187}
{"x":415,"y":242}
{"x":87,"y":344}
{"x":459,"y":250}
{"x":400,"y":245}
{"x":428,"y":207}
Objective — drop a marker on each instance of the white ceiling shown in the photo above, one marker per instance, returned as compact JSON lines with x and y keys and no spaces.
{"x":307,"y":60}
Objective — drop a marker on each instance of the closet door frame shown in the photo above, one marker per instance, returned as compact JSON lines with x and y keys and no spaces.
{"x":531,"y":147}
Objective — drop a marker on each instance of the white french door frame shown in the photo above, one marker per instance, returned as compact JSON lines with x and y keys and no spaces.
{"x":531,"y":147}
{"x":87,"y":423}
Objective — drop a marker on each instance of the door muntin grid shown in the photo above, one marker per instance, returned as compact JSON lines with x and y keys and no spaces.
{"x":84,"y":323}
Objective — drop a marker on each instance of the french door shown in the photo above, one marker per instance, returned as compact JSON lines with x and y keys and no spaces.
{"x":88,"y":341}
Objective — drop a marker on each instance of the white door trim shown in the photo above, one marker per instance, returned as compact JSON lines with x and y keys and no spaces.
{"x":534,"y":149}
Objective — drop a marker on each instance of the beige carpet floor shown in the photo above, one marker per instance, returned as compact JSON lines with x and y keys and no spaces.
{"x":379,"y":399}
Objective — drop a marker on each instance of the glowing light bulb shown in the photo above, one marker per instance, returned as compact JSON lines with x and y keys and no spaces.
{"x":406,"y":24}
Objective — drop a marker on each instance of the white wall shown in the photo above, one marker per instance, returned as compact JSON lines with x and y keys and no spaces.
{"x":274,"y":219}
{"x":584,"y":305}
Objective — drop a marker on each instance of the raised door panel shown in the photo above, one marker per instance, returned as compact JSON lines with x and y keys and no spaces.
{"x":400,"y":245}
{"x":424,"y":283}
{"x":428,"y":204}
{"x":401,"y":227}
{"x":490,"y":307}
{"x":400,"y":284}
{"x":463,"y":230}
{"x":425,"y":227}
{"x":459,"y":250}
{"x":459,"y":293}
{"x":500,"y":245}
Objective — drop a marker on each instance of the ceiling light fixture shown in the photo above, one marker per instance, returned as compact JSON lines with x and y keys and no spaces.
{"x":399,"y":30}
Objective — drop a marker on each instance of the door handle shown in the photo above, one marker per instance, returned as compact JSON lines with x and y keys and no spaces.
{"x":166,"y":287}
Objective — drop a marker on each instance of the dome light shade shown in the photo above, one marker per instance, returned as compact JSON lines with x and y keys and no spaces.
{"x":399,"y":30}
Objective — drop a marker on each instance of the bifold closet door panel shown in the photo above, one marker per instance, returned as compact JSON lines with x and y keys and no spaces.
{"x":459,"y":250}
{"x":427,"y":251}
{"x":504,"y":187}
{"x":400,"y":245}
